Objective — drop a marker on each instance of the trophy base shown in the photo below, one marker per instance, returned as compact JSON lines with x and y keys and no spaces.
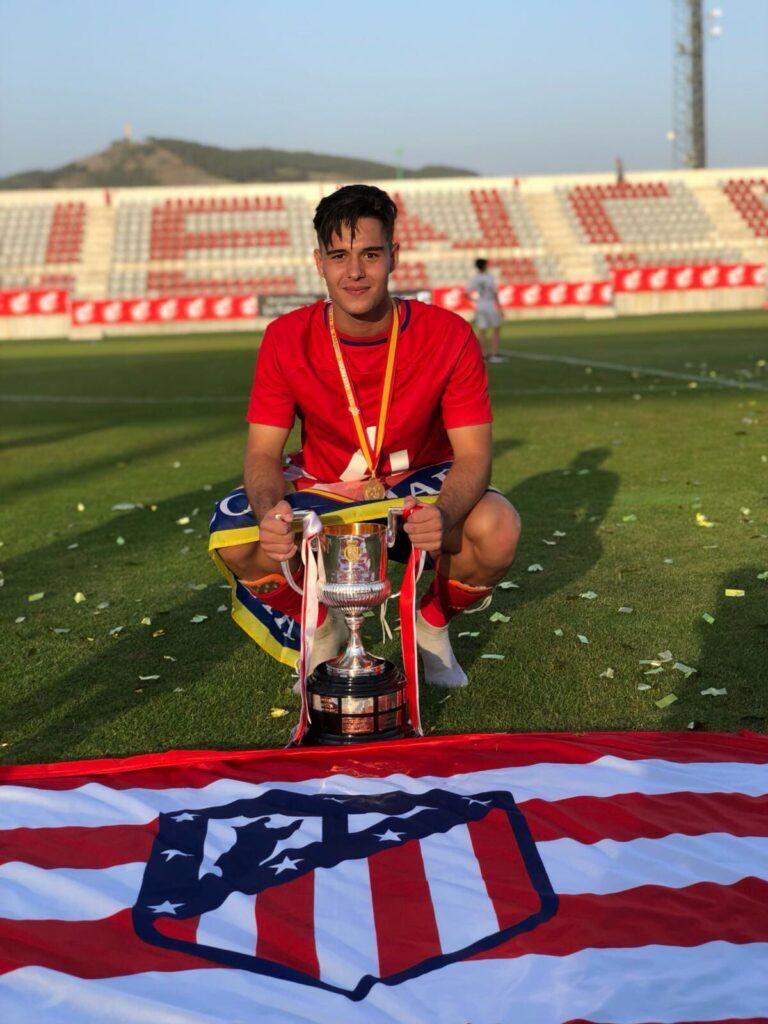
{"x":357,"y":709}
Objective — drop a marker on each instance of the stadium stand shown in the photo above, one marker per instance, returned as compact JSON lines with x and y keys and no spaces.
{"x":239,"y":240}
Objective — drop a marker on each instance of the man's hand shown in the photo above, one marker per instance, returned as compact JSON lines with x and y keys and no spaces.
{"x":276,"y":533}
{"x":426,"y":527}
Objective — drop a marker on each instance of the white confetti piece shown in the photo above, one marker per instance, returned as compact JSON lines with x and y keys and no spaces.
{"x":708,"y":618}
{"x":277,"y":712}
{"x":559,"y":533}
{"x":197,"y":586}
{"x":626,"y":610}
{"x":60,"y":631}
{"x":116,"y":631}
{"x":653,"y":671}
{"x":762,"y":575}
{"x":158,"y":632}
{"x":581,"y":638}
{"x":467,"y":633}
{"x":176,"y":465}
{"x":168,"y":657}
{"x":198,"y":618}
{"x":126,"y":506}
{"x":120,"y":541}
{"x":687,"y":670}
{"x":666,"y":701}
{"x":102,"y":605}
{"x":631,"y":518}
{"x":207,"y":487}
{"x":183,"y":521}
{"x":588,"y":595}
{"x":71,"y":547}
{"x":551,"y":543}
{"x":36,"y":597}
{"x":668,"y":561}
{"x":608,"y":674}
{"x":509,"y":585}
{"x":20,"y":618}
{"x":79,"y":597}
{"x":146,"y":621}
{"x":664,"y":655}
{"x":712,"y":691}
{"x":178,"y":689}
{"x":644,"y":686}
{"x":147,"y":679}
{"x":493,"y":657}
{"x":734,"y":592}
{"x":221,"y":608}
{"x":535,"y":567}
{"x":80,"y":507}
{"x":189,"y":529}
{"x":499,"y":617}
{"x":746,"y":511}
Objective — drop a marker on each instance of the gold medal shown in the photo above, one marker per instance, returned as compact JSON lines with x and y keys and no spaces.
{"x":373,"y":490}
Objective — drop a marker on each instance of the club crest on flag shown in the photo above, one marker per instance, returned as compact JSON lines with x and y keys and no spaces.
{"x":343,"y":891}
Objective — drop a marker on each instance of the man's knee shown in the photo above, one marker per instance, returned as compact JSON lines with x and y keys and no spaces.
{"x":240,"y":558}
{"x":493,"y":527}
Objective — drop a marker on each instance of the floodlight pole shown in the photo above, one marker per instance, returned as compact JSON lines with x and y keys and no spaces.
{"x":690,"y":136}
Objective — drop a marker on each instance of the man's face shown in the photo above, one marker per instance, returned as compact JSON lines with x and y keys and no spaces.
{"x":356,"y":270}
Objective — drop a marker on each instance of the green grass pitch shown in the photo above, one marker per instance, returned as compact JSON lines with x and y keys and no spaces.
{"x":610,"y":437}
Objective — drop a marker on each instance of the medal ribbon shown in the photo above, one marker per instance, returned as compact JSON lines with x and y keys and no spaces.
{"x":371,"y":456}
{"x":413,"y":571}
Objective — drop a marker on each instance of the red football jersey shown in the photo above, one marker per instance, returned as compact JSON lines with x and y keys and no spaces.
{"x":440,"y":382}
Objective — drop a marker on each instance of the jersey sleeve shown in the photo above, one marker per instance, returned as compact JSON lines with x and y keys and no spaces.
{"x":272,"y":401}
{"x":465,"y":401}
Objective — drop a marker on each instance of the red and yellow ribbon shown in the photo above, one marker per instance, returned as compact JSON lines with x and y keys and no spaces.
{"x":371,"y":455}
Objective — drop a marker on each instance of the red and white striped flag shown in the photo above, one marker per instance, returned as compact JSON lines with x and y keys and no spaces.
{"x":542,"y":879}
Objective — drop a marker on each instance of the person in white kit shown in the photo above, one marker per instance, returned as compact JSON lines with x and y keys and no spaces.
{"x":482,"y":290}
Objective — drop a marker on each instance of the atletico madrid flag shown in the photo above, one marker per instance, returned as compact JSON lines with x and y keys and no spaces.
{"x":614,"y":878}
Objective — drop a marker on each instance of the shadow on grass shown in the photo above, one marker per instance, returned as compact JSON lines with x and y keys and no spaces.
{"x":47,"y":714}
{"x":573,"y":501}
{"x":733,"y":656}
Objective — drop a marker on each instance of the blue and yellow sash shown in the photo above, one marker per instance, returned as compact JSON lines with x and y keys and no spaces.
{"x":233,"y":523}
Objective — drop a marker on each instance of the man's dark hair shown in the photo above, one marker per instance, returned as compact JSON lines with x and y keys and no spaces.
{"x":481,"y":264}
{"x":347,"y":205}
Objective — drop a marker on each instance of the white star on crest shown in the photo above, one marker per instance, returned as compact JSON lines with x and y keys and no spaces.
{"x":166,"y":908}
{"x":389,"y":836}
{"x":170,"y":854}
{"x":286,"y":864}
{"x":186,"y":816}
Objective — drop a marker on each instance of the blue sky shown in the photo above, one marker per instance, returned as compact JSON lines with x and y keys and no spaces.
{"x":543,"y":86}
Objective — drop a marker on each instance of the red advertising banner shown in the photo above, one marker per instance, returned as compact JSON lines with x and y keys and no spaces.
{"x":536,"y":295}
{"x":158,"y":311}
{"x":33,"y":302}
{"x":675,"y":279}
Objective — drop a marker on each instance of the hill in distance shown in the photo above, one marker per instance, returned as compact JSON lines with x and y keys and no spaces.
{"x":127,"y":164}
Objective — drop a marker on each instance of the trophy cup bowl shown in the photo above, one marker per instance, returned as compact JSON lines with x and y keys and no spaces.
{"x":355,"y":697}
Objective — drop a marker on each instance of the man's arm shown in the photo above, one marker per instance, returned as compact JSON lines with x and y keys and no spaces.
{"x":265,"y":487}
{"x":464,"y":486}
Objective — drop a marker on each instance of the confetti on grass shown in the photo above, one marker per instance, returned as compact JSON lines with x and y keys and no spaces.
{"x":535,"y":567}
{"x":687,"y":670}
{"x":198,"y":618}
{"x":79,"y":597}
{"x":626,"y":609}
{"x":712,"y":691}
{"x":589,"y":595}
{"x":147,"y":679}
{"x":493,"y":657}
{"x":733,"y":592}
{"x":702,"y":520}
{"x":666,"y":701}
{"x":581,"y":638}
{"x":708,"y":618}
{"x":36,"y":597}
{"x":183,"y":521}
{"x":277,"y":712}
{"x":558,"y":632}
{"x":467,"y":633}
{"x":499,"y":617}
{"x":508,"y":585}
{"x":120,"y":541}
{"x":608,"y":674}
{"x":762,"y":575}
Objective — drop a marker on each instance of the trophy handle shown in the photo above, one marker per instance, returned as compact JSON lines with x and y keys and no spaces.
{"x":392,"y":516}
{"x":311,"y":525}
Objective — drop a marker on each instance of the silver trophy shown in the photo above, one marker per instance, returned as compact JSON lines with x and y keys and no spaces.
{"x":355,"y":697}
